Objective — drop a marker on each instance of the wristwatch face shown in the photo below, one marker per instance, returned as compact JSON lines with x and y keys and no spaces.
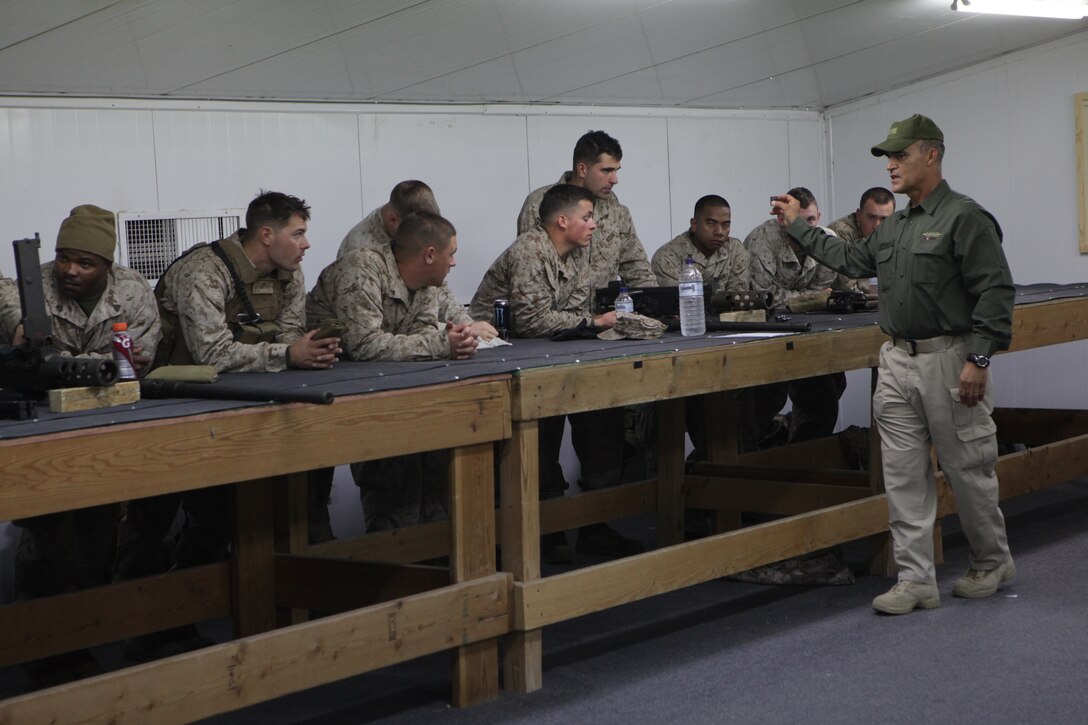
{"x":980,"y":360}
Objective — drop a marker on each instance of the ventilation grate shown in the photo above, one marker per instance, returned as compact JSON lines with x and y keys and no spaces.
{"x":149,"y":242}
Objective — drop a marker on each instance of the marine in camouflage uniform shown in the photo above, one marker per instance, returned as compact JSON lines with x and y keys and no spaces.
{"x":194,"y":295}
{"x":725,"y":268}
{"x":387,"y":320}
{"x":377,"y":228}
{"x":547,"y":293}
{"x":72,"y":550}
{"x":615,"y":250}
{"x":199,"y":301}
{"x":549,"y":290}
{"x":847,"y":230}
{"x":793,"y":278}
{"x":876,"y":205}
{"x":10,"y":309}
{"x":723,"y":262}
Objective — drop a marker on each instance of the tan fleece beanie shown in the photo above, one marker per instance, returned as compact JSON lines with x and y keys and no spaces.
{"x":89,"y":229}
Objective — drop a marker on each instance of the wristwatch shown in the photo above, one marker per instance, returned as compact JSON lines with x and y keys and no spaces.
{"x":981,"y":361}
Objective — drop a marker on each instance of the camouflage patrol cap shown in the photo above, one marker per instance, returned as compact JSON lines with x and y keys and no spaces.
{"x":634,"y":327}
{"x":903,"y":133}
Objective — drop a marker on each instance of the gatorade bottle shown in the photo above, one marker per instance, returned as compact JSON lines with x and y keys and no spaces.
{"x":122,"y":351}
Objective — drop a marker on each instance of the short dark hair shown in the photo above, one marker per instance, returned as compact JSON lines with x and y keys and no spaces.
{"x":932,"y":143}
{"x":560,"y":198}
{"x":419,"y":230}
{"x":802,"y":195}
{"x":877,"y":195}
{"x":710,"y":200}
{"x":412,"y":196}
{"x":274,"y":209}
{"x":592,"y":144}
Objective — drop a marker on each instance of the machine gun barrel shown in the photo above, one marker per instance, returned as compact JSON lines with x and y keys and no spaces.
{"x":225,"y":391}
{"x":739,"y":300}
{"x":23,"y":369}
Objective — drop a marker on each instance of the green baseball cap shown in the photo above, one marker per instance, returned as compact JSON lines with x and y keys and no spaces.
{"x":903,"y":133}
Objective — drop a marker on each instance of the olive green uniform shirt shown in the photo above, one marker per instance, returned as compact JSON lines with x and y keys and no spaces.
{"x":940,"y":268}
{"x":726,"y":267}
{"x":616,"y":249}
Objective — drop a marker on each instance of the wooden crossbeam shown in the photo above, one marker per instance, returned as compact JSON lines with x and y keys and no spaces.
{"x":768,"y":497}
{"x":336,"y":585}
{"x":37,"y":628}
{"x":229,"y":676}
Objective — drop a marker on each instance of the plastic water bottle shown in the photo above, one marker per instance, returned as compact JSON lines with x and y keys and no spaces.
{"x":122,"y":351}
{"x":692,"y":313}
{"x":624,"y":304}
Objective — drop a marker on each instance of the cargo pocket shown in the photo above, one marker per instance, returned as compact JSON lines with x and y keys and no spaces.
{"x":975,"y":429}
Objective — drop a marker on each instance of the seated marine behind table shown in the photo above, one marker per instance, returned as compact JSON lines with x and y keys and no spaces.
{"x":723,"y":261}
{"x":948,"y":306}
{"x":548,"y":291}
{"x":616,"y":250}
{"x":377,"y":229}
{"x":616,"y":253}
{"x":876,"y":205}
{"x":799,"y":282}
{"x":85,"y":294}
{"x":238,"y":305}
{"x":10,"y":309}
{"x":390,"y":299}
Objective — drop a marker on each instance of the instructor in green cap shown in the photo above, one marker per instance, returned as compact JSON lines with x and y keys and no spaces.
{"x":946,"y":298}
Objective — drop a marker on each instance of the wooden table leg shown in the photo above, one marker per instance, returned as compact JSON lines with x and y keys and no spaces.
{"x":253,"y":585}
{"x":721,"y":433}
{"x":670,"y":472}
{"x":520,"y":499}
{"x":472,"y":555}
{"x":292,"y":530}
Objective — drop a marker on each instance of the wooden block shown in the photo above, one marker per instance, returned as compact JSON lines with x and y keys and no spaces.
{"x":69,"y":400}
{"x":744,"y":316}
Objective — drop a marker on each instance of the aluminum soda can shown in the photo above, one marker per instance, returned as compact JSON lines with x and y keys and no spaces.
{"x":503,"y":318}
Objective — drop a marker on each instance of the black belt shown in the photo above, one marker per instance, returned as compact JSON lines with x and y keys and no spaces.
{"x":933,"y":344}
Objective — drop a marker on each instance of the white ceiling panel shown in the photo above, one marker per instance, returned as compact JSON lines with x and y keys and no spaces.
{"x":689,"y":79}
{"x":495,"y":81}
{"x":24,"y":19}
{"x":314,"y":71}
{"x":527,"y":23}
{"x":422,"y":43}
{"x":742,"y":53}
{"x":583,"y":58}
{"x":640,"y":88}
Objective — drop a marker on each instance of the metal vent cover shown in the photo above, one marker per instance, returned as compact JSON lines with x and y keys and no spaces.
{"x":149,"y":241}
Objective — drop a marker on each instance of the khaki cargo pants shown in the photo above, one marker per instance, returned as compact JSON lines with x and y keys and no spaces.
{"x":916,"y":404}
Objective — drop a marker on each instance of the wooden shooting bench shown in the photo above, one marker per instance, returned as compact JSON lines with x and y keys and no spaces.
{"x":820,"y":502}
{"x":391,"y":611}
{"x":265,"y":452}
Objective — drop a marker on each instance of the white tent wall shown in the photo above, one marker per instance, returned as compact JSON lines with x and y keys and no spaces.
{"x":343,"y":159}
